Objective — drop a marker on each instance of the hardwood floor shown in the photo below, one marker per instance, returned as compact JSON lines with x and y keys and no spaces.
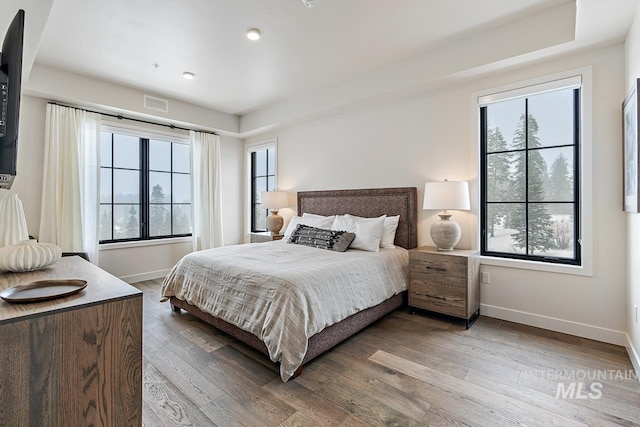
{"x":403,"y":370}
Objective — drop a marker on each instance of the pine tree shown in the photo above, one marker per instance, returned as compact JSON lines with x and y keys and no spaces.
{"x":540,"y":226}
{"x":181,"y":223}
{"x":517,"y":180}
{"x":133,"y":224}
{"x":561,"y":184}
{"x":541,"y":233}
{"x":159,"y":217}
{"x":497,"y":178}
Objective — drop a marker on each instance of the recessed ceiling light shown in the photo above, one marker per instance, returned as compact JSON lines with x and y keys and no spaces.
{"x":188,"y":75}
{"x":253,"y":34}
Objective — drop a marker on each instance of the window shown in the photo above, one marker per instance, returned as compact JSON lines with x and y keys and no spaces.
{"x":530,"y":206}
{"x":145,"y":188}
{"x":262,"y":163}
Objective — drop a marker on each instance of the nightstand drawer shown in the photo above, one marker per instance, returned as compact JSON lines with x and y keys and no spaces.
{"x":259,"y":237}
{"x":445,"y":286}
{"x":442,"y":265}
{"x":428,"y":300}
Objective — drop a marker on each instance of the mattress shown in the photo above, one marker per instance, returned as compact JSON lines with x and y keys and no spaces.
{"x":285,"y":293}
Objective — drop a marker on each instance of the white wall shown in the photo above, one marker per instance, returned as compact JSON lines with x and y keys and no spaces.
{"x":402,"y":144}
{"x":632,"y":72}
{"x":138,"y":263}
{"x":65,"y":86}
{"x":431,"y":137}
{"x":135,"y":263}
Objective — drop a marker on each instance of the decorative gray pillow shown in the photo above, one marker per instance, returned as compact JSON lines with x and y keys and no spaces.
{"x":332,"y":240}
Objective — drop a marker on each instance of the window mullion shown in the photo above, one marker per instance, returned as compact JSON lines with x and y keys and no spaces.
{"x":113,"y":195}
{"x":576,"y":175}
{"x":171,"y":190}
{"x":144,"y":188}
{"x":526,"y":175}
{"x":483,"y":182}
{"x":253,"y":191}
{"x":266,"y":168}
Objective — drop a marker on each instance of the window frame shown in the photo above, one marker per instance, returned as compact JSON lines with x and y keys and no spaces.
{"x":581,"y":107}
{"x":145,"y":135}
{"x":252,"y":148}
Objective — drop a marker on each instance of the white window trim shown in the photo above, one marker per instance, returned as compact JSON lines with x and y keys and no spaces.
{"x":139,"y":243}
{"x":529,"y":90}
{"x":250,"y":148}
{"x":586,"y":169}
{"x":178,"y":136}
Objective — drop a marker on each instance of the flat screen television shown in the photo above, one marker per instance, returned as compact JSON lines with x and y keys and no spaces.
{"x":10,"y":83}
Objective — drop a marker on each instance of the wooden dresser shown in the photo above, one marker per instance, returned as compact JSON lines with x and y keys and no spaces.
{"x":445,"y":282}
{"x":72,"y":361}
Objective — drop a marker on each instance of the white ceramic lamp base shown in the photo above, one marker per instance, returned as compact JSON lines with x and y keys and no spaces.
{"x":445,"y":233}
{"x":14,"y":225}
{"x":274,"y":222}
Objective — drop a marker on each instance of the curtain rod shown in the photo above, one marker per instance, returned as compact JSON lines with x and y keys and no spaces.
{"x":121,"y":117}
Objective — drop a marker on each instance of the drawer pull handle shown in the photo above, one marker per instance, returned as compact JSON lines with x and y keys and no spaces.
{"x":425,"y":294}
{"x":436,"y":268}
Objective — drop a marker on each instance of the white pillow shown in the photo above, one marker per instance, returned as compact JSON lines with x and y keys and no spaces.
{"x":310,"y":215}
{"x":388,"y":231}
{"x":368,"y":231}
{"x":321,"y":222}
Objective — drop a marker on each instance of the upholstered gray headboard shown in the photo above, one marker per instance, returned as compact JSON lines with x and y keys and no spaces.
{"x":368,"y":203}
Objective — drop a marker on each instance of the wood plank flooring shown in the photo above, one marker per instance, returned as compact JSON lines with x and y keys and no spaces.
{"x":404,"y":370}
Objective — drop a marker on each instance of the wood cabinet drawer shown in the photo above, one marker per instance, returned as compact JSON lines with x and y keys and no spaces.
{"x":265,"y":237}
{"x":447,"y":286}
{"x":428,"y":300}
{"x":439,"y":265}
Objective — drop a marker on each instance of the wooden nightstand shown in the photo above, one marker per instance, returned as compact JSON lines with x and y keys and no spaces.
{"x":264,"y":236}
{"x":445,"y":282}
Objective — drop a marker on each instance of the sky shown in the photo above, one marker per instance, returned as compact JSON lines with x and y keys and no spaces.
{"x":552,"y":110}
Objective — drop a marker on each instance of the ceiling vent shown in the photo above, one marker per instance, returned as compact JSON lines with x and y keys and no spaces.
{"x":158,"y":104}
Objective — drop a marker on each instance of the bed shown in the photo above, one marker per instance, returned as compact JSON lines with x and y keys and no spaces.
{"x":363,"y":203}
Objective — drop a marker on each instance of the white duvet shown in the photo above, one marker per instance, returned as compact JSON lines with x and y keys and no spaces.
{"x":285,"y":293}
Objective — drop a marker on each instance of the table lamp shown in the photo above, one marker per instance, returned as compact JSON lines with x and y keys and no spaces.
{"x":446,"y":195}
{"x":274,"y":200}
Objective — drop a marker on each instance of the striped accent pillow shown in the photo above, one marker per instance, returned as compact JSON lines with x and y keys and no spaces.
{"x":332,"y":240}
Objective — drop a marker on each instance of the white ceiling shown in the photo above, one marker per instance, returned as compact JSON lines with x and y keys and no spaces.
{"x":302,"y":50}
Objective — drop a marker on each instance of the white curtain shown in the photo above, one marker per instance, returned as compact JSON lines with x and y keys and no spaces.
{"x":206,"y":189}
{"x":69,"y":216}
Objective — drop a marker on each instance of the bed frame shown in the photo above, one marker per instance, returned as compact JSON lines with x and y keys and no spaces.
{"x":365,"y":203}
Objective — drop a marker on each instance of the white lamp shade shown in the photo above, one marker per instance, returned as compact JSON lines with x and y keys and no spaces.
{"x":441,"y":195}
{"x":274,"y":199}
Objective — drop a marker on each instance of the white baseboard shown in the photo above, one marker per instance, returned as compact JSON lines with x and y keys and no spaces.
{"x":633,"y":355}
{"x":134,"y":278}
{"x":559,"y":325}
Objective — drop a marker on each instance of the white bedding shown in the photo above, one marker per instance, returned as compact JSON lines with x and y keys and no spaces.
{"x":285,"y":293}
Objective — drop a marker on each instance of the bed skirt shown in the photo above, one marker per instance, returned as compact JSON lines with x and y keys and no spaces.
{"x":320,"y":342}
